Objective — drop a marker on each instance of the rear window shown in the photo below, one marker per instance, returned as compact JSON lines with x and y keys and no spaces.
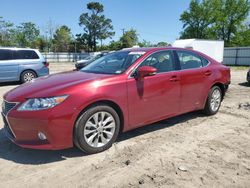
{"x":25,"y":54}
{"x":5,"y":54}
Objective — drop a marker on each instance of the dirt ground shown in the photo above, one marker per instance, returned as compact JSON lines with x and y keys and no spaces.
{"x":191,"y":150}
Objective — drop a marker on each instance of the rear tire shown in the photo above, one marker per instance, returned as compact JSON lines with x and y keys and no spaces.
{"x":96,"y":129}
{"x":213,"y":101}
{"x":28,"y":76}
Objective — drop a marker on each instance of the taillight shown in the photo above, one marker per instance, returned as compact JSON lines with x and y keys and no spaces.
{"x":45,"y":63}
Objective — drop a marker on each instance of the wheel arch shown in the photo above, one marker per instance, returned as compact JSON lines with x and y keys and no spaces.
{"x":20,"y":76}
{"x":221,"y":86}
{"x":110,"y":103}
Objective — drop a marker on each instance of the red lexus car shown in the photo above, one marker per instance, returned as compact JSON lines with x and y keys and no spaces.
{"x":116,"y":93}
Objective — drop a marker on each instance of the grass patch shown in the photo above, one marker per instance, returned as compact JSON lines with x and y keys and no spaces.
{"x":239,"y":67}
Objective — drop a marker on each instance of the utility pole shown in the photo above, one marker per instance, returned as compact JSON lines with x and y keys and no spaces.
{"x":123,"y":31}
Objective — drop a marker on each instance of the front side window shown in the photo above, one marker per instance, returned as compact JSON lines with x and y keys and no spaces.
{"x":188,"y":60}
{"x":25,"y":54}
{"x":115,"y":63}
{"x":162,"y":61}
{"x":5,"y":54}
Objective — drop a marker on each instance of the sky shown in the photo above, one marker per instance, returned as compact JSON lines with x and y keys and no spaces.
{"x":154,"y":20}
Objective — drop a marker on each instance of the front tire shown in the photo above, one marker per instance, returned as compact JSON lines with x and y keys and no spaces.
{"x":96,"y":129}
{"x":213,"y":101}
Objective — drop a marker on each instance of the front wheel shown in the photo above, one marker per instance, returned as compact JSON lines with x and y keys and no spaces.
{"x":213,"y":101}
{"x":96,"y":129}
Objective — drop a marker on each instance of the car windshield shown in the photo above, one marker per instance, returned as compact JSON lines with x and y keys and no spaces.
{"x":115,"y":63}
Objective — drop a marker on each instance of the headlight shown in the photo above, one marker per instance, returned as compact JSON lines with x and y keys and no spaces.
{"x":41,"y":103}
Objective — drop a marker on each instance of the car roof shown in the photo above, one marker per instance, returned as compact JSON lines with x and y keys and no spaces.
{"x":14,"y":48}
{"x":151,"y":49}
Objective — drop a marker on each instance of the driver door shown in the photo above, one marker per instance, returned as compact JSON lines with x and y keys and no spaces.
{"x":154,"y":97}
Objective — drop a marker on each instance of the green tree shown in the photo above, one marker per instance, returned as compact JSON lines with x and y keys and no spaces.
{"x":115,"y":45}
{"x":40,"y":43}
{"x":214,"y":19}
{"x":196,"y":20}
{"x":26,"y":34}
{"x":129,"y":39}
{"x":62,"y":39}
{"x":6,"y":32}
{"x":95,"y":25}
{"x":229,"y":16}
{"x":242,"y":38}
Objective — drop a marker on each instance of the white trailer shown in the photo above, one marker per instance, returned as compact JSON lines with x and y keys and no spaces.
{"x":212,"y":48}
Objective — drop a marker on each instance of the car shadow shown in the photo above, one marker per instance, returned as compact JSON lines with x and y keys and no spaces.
{"x":9,"y":84}
{"x":246,"y":84}
{"x":11,"y":152}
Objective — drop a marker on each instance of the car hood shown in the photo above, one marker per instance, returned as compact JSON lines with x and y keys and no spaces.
{"x":51,"y":85}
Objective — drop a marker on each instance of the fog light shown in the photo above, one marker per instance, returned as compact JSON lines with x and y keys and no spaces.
{"x":42,"y":136}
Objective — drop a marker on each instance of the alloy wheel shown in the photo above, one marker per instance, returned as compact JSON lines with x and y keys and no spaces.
{"x":99,"y":129}
{"x":215,"y":100}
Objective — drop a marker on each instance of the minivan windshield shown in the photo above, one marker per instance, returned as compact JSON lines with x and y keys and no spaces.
{"x":114,"y":63}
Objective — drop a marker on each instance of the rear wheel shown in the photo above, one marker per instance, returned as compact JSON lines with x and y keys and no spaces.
{"x":96,"y":129}
{"x":28,"y":76}
{"x":213,"y":101}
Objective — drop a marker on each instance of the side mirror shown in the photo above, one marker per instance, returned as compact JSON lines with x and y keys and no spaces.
{"x":145,"y":71}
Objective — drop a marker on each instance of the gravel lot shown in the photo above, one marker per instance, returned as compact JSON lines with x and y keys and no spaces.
{"x":191,"y":150}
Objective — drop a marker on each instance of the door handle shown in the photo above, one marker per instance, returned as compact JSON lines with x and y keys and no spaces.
{"x":174,"y":79}
{"x":208,"y":73}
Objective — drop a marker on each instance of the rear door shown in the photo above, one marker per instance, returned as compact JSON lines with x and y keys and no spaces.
{"x":195,"y":79}
{"x":9,"y":68}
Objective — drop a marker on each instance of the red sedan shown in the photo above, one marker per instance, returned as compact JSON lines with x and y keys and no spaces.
{"x":116,"y":93}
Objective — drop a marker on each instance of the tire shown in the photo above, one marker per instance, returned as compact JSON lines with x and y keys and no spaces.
{"x":28,"y":76}
{"x":91,"y":137}
{"x":213,"y":101}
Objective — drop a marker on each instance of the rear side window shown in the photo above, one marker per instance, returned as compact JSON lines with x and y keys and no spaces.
{"x":5,"y":54}
{"x":25,"y":54}
{"x":188,"y":60}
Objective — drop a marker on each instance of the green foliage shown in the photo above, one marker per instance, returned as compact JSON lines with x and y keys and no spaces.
{"x":196,"y":19}
{"x":242,"y":38}
{"x":95,"y":25}
{"x":145,"y":43}
{"x":6,"y":32}
{"x":26,"y":34}
{"x":129,"y":39}
{"x":215,"y":19}
{"x":62,"y":39}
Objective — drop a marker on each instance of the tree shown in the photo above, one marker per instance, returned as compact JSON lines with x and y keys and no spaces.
{"x":196,"y":20}
{"x":6,"y":32}
{"x":96,"y":26}
{"x":242,"y":38}
{"x":62,"y":39}
{"x":40,"y":43}
{"x":229,"y":16}
{"x":26,"y":34}
{"x":162,"y":44}
{"x":214,"y":19}
{"x":129,"y":39}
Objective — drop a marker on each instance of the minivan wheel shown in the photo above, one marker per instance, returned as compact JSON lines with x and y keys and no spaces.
{"x":96,"y":129}
{"x":213,"y":101}
{"x":28,"y":76}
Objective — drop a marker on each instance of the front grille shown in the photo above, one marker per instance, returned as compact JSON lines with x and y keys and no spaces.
{"x":7,"y":107}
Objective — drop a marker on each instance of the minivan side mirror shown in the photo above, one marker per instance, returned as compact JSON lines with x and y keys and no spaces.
{"x":145,"y":71}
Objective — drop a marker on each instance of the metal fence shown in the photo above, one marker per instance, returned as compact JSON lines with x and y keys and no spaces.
{"x":64,"y":57}
{"x":237,"y":56}
{"x":232,"y":56}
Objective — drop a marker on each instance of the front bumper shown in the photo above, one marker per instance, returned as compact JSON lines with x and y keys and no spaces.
{"x":22,"y":128}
